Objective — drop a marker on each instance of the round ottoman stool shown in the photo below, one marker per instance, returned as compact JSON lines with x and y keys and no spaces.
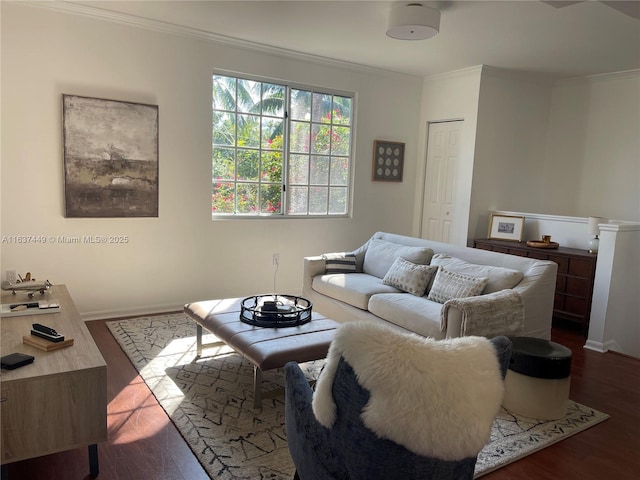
{"x":538,"y":378}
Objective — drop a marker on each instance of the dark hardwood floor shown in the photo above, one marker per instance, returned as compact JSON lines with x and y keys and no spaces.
{"x":144,"y":444}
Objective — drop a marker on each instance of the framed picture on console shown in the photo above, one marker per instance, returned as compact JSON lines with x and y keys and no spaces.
{"x":506,"y":227}
{"x":110,"y":158}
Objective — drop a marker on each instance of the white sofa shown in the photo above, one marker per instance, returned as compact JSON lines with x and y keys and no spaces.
{"x":516,"y":300}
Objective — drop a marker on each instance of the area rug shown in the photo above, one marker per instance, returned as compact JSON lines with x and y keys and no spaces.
{"x":210,"y":400}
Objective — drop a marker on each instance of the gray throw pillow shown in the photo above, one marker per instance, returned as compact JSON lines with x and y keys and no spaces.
{"x":381,"y":254}
{"x":448,"y":285}
{"x":409,"y":277}
{"x":500,"y":278}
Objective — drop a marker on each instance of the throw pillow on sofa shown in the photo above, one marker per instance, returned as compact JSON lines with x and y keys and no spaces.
{"x":339,"y":262}
{"x":381,"y":254}
{"x":448,"y":285}
{"x":409,"y":277}
{"x":500,"y":278}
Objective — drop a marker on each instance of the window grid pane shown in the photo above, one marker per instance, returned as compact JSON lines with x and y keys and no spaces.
{"x":251,"y":153}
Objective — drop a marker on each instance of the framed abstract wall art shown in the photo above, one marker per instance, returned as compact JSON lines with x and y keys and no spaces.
{"x":110,"y":158}
{"x":388,"y":161}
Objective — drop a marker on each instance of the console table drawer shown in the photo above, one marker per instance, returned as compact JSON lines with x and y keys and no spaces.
{"x":576,"y":306}
{"x":580,"y":268}
{"x":563,"y":263}
{"x":577,"y":286}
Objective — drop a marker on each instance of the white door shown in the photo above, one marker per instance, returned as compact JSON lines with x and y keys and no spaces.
{"x":439,"y":184}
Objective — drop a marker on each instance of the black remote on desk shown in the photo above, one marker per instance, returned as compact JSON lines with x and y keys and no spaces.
{"x":46,"y":332}
{"x":44,"y":329}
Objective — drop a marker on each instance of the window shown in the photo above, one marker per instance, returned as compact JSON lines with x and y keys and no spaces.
{"x":279,"y":150}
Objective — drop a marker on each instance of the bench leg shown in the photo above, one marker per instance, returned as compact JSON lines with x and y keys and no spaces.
{"x":257,"y":387}
{"x":94,"y":468}
{"x":198,"y":340}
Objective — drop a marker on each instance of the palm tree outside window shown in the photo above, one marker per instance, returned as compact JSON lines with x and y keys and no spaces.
{"x":279,"y":150}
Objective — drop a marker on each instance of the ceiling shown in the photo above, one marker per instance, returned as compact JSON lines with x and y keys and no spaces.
{"x":564,"y":39}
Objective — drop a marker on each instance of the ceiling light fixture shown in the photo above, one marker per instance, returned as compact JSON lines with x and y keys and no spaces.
{"x":413,"y":21}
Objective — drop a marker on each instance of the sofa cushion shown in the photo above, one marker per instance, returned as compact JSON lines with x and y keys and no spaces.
{"x":500,"y":278}
{"x":409,"y":277}
{"x":381,"y":254}
{"x":340,"y":262}
{"x":448,"y":285}
{"x":416,"y":314}
{"x":352,"y":288}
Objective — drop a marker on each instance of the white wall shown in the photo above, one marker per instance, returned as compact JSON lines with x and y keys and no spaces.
{"x":182,"y":255}
{"x":569,"y":148}
{"x":512,"y":127}
{"x":592,"y":164}
{"x":453,"y":96}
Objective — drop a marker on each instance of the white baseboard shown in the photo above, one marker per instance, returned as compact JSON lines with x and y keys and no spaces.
{"x":603,"y":347}
{"x":131,"y":312}
{"x":595,"y":346}
{"x":147,"y":310}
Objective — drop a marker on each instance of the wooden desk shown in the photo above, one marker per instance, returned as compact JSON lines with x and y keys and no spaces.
{"x":59,"y":402}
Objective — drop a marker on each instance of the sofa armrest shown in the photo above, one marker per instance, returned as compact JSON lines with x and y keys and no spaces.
{"x":452,"y":325}
{"x":312,"y":266}
{"x":315,"y":265}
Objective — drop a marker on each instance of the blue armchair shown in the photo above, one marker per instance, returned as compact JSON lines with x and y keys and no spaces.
{"x":384,"y":409}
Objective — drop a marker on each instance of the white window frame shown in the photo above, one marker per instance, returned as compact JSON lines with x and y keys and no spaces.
{"x":286,"y":161}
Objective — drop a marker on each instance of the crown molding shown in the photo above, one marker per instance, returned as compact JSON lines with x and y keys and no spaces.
{"x":463,"y":72}
{"x":174,"y":29}
{"x":601,"y":77}
{"x":519,"y":75}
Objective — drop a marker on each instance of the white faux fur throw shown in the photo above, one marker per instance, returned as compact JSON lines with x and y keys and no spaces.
{"x":437,"y":398}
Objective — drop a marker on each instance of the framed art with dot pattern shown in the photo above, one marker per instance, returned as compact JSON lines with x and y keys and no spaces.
{"x":388,"y":161}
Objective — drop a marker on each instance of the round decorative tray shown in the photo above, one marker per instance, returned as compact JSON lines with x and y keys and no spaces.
{"x":540,"y":244}
{"x":275,"y":311}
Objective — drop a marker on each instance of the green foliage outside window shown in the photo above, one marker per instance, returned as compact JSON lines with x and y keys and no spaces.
{"x":249,"y":157}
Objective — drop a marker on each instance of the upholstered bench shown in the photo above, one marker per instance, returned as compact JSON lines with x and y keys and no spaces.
{"x":266,"y":348}
{"x":538,"y":380}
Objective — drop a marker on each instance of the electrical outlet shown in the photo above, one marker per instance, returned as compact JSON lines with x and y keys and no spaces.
{"x":11,"y":276}
{"x":276,"y":259}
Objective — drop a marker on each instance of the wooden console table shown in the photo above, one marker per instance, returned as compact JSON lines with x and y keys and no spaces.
{"x":59,"y":402}
{"x":574,"y":283}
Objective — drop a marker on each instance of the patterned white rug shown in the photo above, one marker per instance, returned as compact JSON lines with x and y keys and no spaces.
{"x":210,"y":400}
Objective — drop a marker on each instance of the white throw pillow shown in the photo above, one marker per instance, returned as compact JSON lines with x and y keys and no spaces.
{"x":500,"y":278}
{"x":409,"y":277}
{"x":381,"y":254}
{"x":448,"y":285}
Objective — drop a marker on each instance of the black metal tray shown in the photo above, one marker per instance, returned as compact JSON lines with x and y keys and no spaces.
{"x":275,"y":311}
